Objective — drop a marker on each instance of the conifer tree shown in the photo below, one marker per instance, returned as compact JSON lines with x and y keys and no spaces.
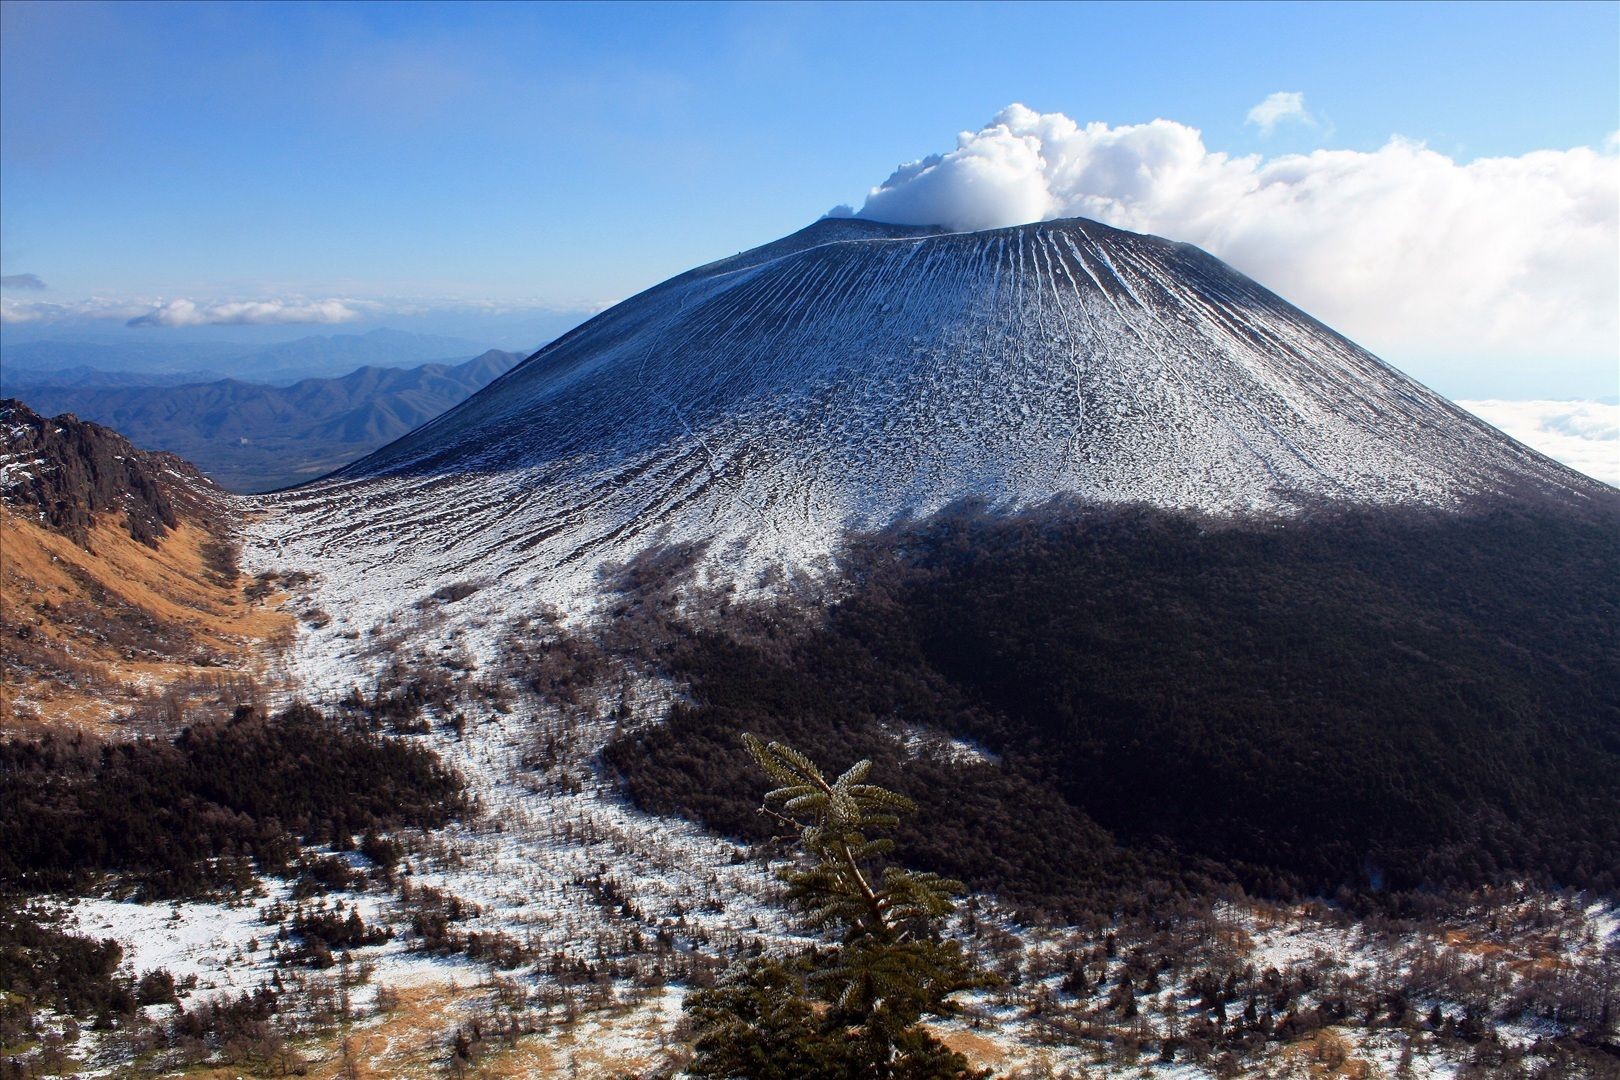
{"x":854,"y":1008}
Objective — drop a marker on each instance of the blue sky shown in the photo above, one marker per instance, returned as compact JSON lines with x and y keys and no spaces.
{"x":524,"y":157}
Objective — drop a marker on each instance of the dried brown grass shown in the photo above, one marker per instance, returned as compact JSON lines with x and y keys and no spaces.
{"x":90,"y":634}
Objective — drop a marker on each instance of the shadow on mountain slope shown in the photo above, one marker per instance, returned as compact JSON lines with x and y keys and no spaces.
{"x":1086,"y":703}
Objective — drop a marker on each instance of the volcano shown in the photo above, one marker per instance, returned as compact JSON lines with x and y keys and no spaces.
{"x":855,"y":374}
{"x":1169,"y":608}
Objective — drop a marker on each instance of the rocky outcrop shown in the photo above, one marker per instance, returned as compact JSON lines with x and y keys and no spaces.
{"x":64,"y":472}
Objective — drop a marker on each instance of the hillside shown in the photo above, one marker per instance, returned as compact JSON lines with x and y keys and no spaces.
{"x":254,"y":437}
{"x":120,"y":595}
{"x":1207,"y":527}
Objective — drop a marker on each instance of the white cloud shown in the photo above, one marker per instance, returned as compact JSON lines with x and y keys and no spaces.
{"x":189,"y":312}
{"x":17,"y":311}
{"x":1584,"y":435}
{"x":1283,"y":105}
{"x":247,"y":313}
{"x":12,"y":312}
{"x":1402,"y":248}
{"x":184,"y":312}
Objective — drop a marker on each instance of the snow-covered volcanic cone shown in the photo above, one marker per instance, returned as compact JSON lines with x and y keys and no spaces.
{"x":854,"y":373}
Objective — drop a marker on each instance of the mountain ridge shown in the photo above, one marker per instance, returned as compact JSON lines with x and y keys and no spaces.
{"x":1173,"y":611}
{"x":120,"y":595}
{"x":257,"y":436}
{"x":66,"y":472}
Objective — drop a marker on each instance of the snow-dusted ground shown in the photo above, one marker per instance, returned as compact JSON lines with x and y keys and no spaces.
{"x":546,"y":839}
{"x":555,"y":849}
{"x":530,"y":856}
{"x":224,"y":947}
{"x":542,"y":860}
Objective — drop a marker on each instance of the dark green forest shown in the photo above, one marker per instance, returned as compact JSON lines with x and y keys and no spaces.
{"x":204,"y":812}
{"x":1382,"y":705}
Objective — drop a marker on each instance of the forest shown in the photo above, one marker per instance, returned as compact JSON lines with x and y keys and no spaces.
{"x":196,"y":816}
{"x":204,"y":812}
{"x":1381,"y":706}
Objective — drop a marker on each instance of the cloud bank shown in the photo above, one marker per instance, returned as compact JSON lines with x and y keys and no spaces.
{"x":1402,"y":247}
{"x":15,"y":312}
{"x":188,"y":312}
{"x":1585,"y":435}
{"x":21,"y":281}
{"x":185,"y":312}
{"x":247,"y":313}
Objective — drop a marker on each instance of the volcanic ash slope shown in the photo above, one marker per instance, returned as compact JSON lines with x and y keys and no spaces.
{"x":855,"y":373}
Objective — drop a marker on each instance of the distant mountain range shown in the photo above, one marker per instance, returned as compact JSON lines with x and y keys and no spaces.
{"x":88,"y":377}
{"x":258,"y":437}
{"x":131,"y":361}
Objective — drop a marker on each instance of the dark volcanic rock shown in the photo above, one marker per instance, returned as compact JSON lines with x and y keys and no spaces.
{"x":65,"y":471}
